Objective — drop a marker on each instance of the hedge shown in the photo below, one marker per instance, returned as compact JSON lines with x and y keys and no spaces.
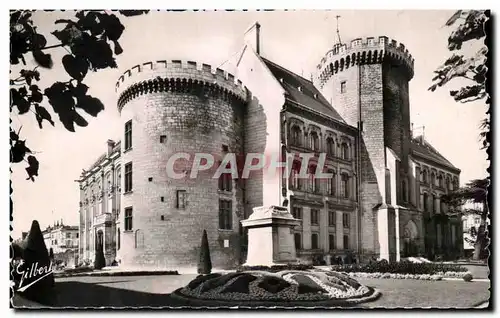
{"x":399,"y":268}
{"x":276,"y":268}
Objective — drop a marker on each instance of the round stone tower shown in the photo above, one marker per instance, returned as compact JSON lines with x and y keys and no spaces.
{"x":366,"y":81}
{"x":168,"y":108}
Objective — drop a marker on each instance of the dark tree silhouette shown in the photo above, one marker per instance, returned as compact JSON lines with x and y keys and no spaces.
{"x":35,"y":255}
{"x":91,"y":41}
{"x":99,"y":261}
{"x":205,"y":263}
{"x":469,"y":26}
{"x":475,"y":191}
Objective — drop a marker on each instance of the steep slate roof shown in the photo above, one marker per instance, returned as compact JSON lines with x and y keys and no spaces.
{"x":291,"y":83}
{"x":422,"y":148}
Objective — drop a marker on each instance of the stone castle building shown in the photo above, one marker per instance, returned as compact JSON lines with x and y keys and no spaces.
{"x":383,"y":199}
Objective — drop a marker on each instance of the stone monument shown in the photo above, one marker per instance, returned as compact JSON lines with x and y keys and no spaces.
{"x":270,"y":238}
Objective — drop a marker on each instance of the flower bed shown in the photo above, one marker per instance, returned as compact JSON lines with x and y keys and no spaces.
{"x":276,"y":268}
{"x":401,"y":268}
{"x":284,"y":288}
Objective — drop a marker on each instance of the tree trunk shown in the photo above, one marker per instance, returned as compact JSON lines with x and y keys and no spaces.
{"x":482,"y":239}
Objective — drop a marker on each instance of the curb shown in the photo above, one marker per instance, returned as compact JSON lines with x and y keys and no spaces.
{"x":115,"y":273}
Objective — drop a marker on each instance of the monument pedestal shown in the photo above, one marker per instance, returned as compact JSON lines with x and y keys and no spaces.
{"x":270,"y":237}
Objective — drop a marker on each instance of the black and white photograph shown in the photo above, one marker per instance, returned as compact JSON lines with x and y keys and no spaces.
{"x":250,"y":159}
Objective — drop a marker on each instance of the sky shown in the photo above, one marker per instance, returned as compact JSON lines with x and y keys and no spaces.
{"x":297,"y":40}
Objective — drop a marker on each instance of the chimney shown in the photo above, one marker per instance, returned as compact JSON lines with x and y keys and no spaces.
{"x":252,"y":37}
{"x":111,"y":145}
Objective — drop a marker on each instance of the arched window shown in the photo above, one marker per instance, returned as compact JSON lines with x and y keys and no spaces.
{"x":345,"y":151}
{"x":330,"y":146}
{"x":331,"y":184}
{"x":448,"y":183}
{"x":426,"y":202}
{"x":434,"y":203}
{"x":314,"y":141}
{"x":440,"y":181}
{"x":344,"y":186}
{"x":424,"y":176}
{"x":295,"y":176}
{"x":313,"y":181}
{"x":433,"y":179}
{"x":296,"y":139}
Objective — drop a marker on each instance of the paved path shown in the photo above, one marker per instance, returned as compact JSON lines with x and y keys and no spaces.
{"x":152,"y":291}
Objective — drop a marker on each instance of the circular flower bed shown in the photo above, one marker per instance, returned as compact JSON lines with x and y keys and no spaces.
{"x":281,"y":289}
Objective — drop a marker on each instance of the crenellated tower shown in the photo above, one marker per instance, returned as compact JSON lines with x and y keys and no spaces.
{"x":366,"y":81}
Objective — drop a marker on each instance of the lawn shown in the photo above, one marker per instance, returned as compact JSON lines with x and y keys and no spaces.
{"x":418,"y":294}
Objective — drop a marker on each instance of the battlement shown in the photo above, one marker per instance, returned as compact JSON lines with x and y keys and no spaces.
{"x":363,"y":51}
{"x":180,"y":71}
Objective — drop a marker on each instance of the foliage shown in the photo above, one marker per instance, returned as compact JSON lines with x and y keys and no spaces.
{"x":470,"y":26}
{"x":205,"y":263}
{"x":467,"y":277}
{"x":475,"y":191}
{"x":88,"y":39}
{"x":403,"y":267}
{"x":276,"y":268}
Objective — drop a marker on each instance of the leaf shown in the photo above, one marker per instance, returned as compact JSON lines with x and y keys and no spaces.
{"x":41,"y":114}
{"x":17,"y":99}
{"x":90,"y":105}
{"x":36,"y":95}
{"x":118,"y":48}
{"x":131,"y":13}
{"x":18,"y":151}
{"x":79,"y":90}
{"x":112,"y":26}
{"x":79,"y":120}
{"x":42,"y":59}
{"x":454,"y":18}
{"x":38,"y":41}
{"x":76,"y":67}
{"x":32,"y":170}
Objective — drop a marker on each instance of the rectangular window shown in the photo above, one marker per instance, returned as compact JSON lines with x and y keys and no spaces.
{"x":298,"y":241}
{"x":314,"y":241}
{"x":128,"y":177}
{"x":346,"y":242}
{"x":331,"y":218}
{"x":163,"y":138}
{"x":314,"y":216}
{"x":342,"y":87}
{"x":181,"y":199}
{"x":128,"y":219}
{"x":226,"y":181}
{"x":331,"y":242}
{"x":68,"y":235}
{"x":297,"y":212}
{"x":77,"y":235}
{"x":225,"y":215}
{"x":345,"y":220}
{"x":128,"y":135}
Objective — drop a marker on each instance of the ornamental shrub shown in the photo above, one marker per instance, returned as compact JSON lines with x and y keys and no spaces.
{"x":467,"y":277}
{"x":205,"y":263}
{"x":404,"y":267}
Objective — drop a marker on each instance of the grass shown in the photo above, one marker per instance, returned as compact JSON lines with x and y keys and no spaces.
{"x":417,"y":294}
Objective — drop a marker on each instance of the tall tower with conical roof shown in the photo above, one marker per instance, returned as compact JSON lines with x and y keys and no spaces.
{"x":367,"y":82}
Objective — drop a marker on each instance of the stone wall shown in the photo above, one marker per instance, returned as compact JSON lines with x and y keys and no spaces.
{"x":196,"y":111}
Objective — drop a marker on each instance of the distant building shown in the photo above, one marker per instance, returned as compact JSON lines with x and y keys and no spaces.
{"x":471,"y":223}
{"x":63,"y":239}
